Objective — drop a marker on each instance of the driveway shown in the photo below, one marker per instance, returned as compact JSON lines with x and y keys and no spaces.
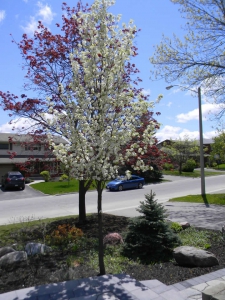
{"x":14,"y":194}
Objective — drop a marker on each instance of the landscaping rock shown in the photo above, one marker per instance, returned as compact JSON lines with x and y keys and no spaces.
{"x":194,"y":257}
{"x":13,"y":257}
{"x":216,"y":292}
{"x":185,"y":225}
{"x":5,"y":250}
{"x":37,"y":248}
{"x":113,"y":239}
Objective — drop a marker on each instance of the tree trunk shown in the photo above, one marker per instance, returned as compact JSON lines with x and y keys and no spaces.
{"x":180,"y":167}
{"x":100,"y":234}
{"x":82,"y":206}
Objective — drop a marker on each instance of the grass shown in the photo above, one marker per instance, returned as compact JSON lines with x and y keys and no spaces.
{"x":58,"y":187}
{"x":220,"y":167}
{"x":218,"y":199}
{"x":17,"y":224}
{"x":191,"y":174}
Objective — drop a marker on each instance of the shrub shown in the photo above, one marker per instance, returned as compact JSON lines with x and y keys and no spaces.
{"x":46,"y":175}
{"x":168,"y":166}
{"x":149,"y":236}
{"x":176,"y":227}
{"x":64,"y":235}
{"x":63,"y":177}
{"x":189,"y":165}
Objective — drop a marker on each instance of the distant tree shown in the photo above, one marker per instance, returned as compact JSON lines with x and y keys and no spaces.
{"x":197,"y":58}
{"x":179,"y":151}
{"x":218,"y":148}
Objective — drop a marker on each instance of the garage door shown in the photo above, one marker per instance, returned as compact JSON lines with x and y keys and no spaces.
{"x":5,"y":168}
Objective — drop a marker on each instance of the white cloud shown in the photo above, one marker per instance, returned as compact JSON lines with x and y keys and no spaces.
{"x":171,"y":132}
{"x":146,"y":92}
{"x":169,"y":104}
{"x":207,"y":109}
{"x":2,"y":15}
{"x":17,"y":125}
{"x":31,"y":26}
{"x":44,"y":14}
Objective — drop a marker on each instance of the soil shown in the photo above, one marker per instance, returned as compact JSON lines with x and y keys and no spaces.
{"x":46,"y":268}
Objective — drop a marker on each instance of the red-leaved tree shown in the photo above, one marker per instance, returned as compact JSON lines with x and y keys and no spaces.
{"x":151,"y":155}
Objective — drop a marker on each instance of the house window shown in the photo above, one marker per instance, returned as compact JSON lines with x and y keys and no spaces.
{"x":33,"y":148}
{"x":4,"y":146}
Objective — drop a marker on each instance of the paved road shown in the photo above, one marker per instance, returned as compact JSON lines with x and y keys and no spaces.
{"x":119,"y":203}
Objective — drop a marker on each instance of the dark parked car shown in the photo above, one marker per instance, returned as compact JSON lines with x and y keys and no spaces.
{"x":122,"y":183}
{"x":13,"y":180}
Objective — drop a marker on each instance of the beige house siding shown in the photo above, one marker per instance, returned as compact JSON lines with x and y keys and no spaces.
{"x":22,"y":151}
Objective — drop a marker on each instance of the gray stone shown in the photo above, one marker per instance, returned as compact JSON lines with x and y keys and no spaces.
{"x":194,"y":257}
{"x":5,"y":250}
{"x":37,"y":248}
{"x":13,"y":257}
{"x":216,"y":292}
{"x":185,"y":225}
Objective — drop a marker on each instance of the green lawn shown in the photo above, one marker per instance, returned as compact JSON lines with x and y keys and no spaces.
{"x":220,"y":167}
{"x":218,"y":199}
{"x":58,"y":187}
{"x":191,"y":174}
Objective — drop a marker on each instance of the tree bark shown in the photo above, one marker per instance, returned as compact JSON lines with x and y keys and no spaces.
{"x":82,"y":206}
{"x":83,"y":188}
{"x":100,"y":234}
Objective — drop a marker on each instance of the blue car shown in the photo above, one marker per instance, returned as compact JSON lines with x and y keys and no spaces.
{"x":122,"y":183}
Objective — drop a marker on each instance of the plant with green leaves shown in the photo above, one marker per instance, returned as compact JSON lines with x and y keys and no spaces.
{"x":189,"y":165}
{"x":181,"y":150}
{"x":218,"y":149}
{"x":46,"y":175}
{"x":150,"y":237}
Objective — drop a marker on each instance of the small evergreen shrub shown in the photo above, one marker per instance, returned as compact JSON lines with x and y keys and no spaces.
{"x":64,"y":235}
{"x":46,"y":175}
{"x":149,"y":237}
{"x":189,"y":166}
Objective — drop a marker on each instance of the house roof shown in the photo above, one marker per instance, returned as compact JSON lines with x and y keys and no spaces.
{"x":205,"y":141}
{"x":4,"y":137}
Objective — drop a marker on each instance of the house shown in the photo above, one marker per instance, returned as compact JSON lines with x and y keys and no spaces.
{"x":207,"y":146}
{"x":18,"y":151}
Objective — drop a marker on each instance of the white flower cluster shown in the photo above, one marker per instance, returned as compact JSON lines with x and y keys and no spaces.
{"x":103,"y":115}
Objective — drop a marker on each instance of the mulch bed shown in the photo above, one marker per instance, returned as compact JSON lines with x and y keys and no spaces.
{"x":40,"y":270}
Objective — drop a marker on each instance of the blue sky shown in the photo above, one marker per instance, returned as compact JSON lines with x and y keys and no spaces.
{"x":179,"y":110}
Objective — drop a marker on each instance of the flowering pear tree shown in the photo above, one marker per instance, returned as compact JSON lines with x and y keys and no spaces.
{"x":103,"y":107}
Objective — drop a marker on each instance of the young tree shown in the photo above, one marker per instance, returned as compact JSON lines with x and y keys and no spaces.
{"x":149,"y":236}
{"x":106,"y":112}
{"x":179,"y":151}
{"x":47,"y":61}
{"x":198,"y":58}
